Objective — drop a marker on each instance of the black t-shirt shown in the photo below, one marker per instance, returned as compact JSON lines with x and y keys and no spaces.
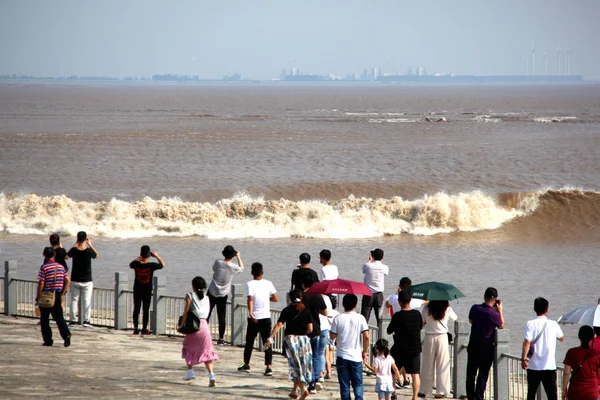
{"x":406,"y":326}
{"x":314,"y":304}
{"x":296,"y":323}
{"x":144,"y":272}
{"x":82,"y":264}
{"x":299,"y":274}
{"x":59,"y":257}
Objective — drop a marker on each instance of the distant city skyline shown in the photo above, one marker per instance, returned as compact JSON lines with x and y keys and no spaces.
{"x":258,"y":39}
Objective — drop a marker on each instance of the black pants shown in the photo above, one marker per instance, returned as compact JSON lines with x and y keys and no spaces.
{"x":57,"y":315}
{"x":479,"y":361}
{"x":221,"y":303}
{"x":262,"y":326}
{"x":547,"y":377}
{"x":141,"y":294}
{"x":371,"y":303}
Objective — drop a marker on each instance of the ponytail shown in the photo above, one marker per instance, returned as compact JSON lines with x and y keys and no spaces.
{"x":296,"y":300}
{"x":199,"y":285}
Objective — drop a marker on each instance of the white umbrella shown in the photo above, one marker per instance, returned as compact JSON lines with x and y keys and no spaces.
{"x":583,"y":315}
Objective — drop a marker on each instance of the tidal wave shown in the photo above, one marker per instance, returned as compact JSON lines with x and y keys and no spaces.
{"x":242,"y":216}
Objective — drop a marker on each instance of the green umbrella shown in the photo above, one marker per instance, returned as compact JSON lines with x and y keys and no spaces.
{"x":434,"y":291}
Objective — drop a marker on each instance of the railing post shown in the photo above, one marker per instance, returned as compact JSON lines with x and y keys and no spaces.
{"x":121,"y":284}
{"x":459,"y":373}
{"x":81,"y":305}
{"x":159,"y":315}
{"x":10,"y":288}
{"x":237,"y":323}
{"x":501,"y":377}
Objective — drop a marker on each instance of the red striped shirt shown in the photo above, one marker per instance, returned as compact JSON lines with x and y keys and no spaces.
{"x":46,"y":274}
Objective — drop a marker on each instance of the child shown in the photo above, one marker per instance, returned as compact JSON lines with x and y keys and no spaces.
{"x":383,"y":366}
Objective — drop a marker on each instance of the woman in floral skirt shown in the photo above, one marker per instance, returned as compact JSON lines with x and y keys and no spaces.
{"x":297,"y":345}
{"x":198,"y":346}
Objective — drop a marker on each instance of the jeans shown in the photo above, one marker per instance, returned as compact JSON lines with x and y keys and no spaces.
{"x":318,"y":344}
{"x":141,"y":294}
{"x":350,"y":373}
{"x":262,"y":326}
{"x":547,"y":377}
{"x":85,"y":290}
{"x":221,"y":303}
{"x":57,"y":315}
{"x":479,"y":362}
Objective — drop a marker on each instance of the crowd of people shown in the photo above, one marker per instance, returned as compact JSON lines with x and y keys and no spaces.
{"x":313,"y":327}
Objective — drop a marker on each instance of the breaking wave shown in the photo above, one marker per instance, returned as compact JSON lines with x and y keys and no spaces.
{"x":244,"y":217}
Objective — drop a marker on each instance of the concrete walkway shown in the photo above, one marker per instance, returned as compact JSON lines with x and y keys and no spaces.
{"x":104,"y":363}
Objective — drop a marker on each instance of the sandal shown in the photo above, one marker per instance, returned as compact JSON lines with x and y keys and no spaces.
{"x":293,"y":394}
{"x":439,"y":395}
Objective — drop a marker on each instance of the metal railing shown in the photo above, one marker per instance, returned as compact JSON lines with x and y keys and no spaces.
{"x":26,"y":293}
{"x":517,"y":378}
{"x":102,"y":309}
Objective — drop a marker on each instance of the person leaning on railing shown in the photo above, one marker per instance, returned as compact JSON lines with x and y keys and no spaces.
{"x":582,"y":369}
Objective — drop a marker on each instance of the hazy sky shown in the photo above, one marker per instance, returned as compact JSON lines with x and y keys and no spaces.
{"x":259,"y":38}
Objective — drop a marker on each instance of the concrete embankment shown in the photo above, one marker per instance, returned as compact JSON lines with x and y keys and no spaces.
{"x":104,"y":363}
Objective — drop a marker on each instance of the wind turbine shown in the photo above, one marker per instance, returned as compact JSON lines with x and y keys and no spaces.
{"x":532,"y":60}
{"x":545,"y":64}
{"x":568,"y":62}
{"x":558,"y":58}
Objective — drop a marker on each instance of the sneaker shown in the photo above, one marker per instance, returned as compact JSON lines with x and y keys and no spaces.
{"x":212,"y":383}
{"x":87,"y":324}
{"x":220,"y":342}
{"x":312,"y":389}
{"x":47,"y":344}
{"x":421,"y":394}
{"x":245,"y":368}
{"x":318,"y":386}
{"x":68,"y":341}
{"x":268,"y":372}
{"x":146,"y":332}
{"x":136,"y":331}
{"x":71,"y":323}
{"x":190,"y":375}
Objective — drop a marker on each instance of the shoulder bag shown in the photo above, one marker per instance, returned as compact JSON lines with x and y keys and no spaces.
{"x":450,"y":337}
{"x":192,"y":322}
{"x":47,"y":297}
{"x":532,"y":344}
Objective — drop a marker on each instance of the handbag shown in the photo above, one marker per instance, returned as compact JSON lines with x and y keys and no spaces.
{"x":532,"y":345}
{"x":47,"y":297}
{"x":192,"y":323}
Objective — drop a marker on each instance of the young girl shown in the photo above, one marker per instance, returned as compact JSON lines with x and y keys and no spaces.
{"x":383,"y":367}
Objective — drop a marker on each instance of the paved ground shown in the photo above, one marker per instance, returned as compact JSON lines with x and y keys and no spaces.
{"x":103,"y":363}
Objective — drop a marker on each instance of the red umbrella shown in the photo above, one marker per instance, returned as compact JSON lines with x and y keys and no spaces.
{"x":339,"y":286}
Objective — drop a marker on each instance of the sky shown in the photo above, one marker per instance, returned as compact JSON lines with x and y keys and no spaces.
{"x":260,"y":38}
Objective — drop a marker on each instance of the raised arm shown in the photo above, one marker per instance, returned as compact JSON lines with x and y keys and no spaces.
{"x":238,"y":256}
{"x":159,"y":258}
{"x":89,"y":243}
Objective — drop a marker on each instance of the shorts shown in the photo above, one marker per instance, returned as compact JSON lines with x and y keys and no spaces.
{"x":382,"y":395}
{"x":410,"y":362}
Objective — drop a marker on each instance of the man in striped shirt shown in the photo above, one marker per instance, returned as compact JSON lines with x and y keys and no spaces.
{"x":51,"y":278}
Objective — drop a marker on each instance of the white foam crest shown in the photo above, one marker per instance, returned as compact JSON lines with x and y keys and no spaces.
{"x":242,"y":216}
{"x":486,"y":118}
{"x":547,"y":120}
{"x":361,"y":113}
{"x":391,"y":120}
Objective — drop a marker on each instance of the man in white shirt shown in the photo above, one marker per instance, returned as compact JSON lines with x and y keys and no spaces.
{"x":259,"y":292}
{"x":349,"y":328}
{"x":375,"y":272}
{"x":392,"y":301}
{"x":329,"y":271}
{"x":541,"y":333}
